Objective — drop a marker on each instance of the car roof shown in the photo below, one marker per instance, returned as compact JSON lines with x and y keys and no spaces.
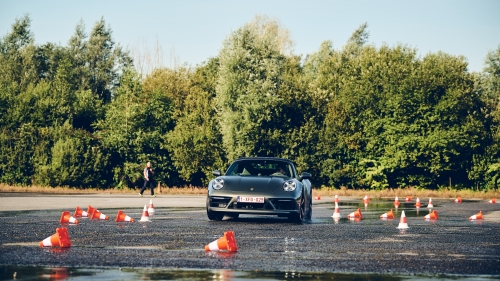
{"x":265,"y":158}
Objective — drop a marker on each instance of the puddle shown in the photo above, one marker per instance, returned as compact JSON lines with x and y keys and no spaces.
{"x":72,"y":273}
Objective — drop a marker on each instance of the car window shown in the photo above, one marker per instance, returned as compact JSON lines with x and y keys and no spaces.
{"x":261,"y":168}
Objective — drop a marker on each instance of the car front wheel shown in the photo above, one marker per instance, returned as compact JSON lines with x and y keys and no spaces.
{"x":213,"y":216}
{"x":300,"y":216}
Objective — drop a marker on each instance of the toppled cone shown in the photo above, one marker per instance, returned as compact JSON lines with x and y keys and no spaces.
{"x":478,"y":216}
{"x":317,"y":197}
{"x":432,"y":216}
{"x":388,"y":215}
{"x":336,"y":212}
{"x":492,"y":201}
{"x":151,"y":207}
{"x":225,"y":243}
{"x":145,"y":214}
{"x":355,"y":215}
{"x":66,"y":217}
{"x":408,"y":199}
{"x":458,"y":200}
{"x":90,"y":210}
{"x":402,"y":221}
{"x":80,"y":213}
{"x":59,"y":239}
{"x":98,"y":215}
{"x":123,"y":217}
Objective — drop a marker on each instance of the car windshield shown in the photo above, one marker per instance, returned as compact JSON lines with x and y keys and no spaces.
{"x":261,"y":168}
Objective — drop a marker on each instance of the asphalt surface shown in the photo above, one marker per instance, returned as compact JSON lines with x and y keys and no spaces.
{"x":179,"y":230}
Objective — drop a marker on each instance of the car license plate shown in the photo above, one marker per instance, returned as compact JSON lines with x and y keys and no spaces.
{"x":247,"y":199}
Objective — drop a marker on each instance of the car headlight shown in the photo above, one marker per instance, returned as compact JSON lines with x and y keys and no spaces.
{"x":289,"y":186}
{"x":218,"y":183}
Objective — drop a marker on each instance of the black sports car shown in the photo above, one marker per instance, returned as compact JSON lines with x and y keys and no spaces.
{"x":260,"y":186}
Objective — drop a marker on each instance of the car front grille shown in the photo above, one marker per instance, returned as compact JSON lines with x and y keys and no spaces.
{"x":219,"y":202}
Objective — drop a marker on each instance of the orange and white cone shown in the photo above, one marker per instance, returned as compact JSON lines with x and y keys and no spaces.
{"x":98,"y":215}
{"x":80,"y":213}
{"x":336,"y":212}
{"x":478,"y":216}
{"x":492,"y":201}
{"x":396,"y":202}
{"x":317,"y":197}
{"x":225,"y":243}
{"x":389,"y":215}
{"x":151,"y":207}
{"x":355,"y":215}
{"x":458,"y":200}
{"x":145,"y":214}
{"x":59,"y":239}
{"x":430,"y":204}
{"x":432,"y":216}
{"x":336,"y":200}
{"x":66,"y":217}
{"x":366,"y":199}
{"x":402,"y":221}
{"x":123,"y":217}
{"x":408,"y":199}
{"x":418,"y":204}
{"x":90,"y":210}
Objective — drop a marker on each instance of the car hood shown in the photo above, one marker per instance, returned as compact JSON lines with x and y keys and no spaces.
{"x":259,"y":184}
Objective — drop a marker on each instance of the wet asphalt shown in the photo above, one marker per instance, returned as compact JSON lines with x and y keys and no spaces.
{"x":176,"y":236}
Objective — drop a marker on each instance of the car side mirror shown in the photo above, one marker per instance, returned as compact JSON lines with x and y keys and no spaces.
{"x":305,"y":176}
{"x":217,"y":173}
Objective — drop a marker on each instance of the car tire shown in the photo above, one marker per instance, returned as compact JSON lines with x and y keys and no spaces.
{"x":310,"y":210}
{"x":213,"y":216}
{"x":301,"y":215}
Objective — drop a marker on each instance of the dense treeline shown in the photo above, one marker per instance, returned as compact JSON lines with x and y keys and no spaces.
{"x":359,"y":116}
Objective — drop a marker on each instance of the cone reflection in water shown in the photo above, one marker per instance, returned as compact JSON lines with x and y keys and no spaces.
{"x":151,"y":207}
{"x":80,"y":213}
{"x":432,"y":215}
{"x":402,"y":221}
{"x":98,"y":215}
{"x":389,"y":215}
{"x":478,"y":216}
{"x":355,"y":215}
{"x":66,"y":217}
{"x":430,"y":204}
{"x":59,"y":239}
{"x":336,"y":212}
{"x":121,"y":217}
{"x":225,"y":243}
{"x":145,"y":214}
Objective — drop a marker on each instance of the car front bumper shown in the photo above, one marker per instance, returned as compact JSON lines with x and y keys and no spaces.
{"x":271,"y":206}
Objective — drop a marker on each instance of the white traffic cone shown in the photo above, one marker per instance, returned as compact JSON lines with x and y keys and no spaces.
{"x":336,"y":213}
{"x":145,"y":214}
{"x":402,"y":222}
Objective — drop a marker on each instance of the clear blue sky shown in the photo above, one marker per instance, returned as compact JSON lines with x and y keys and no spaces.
{"x":194,"y":30}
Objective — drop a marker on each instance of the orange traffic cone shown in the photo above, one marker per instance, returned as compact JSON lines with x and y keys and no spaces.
{"x":336,"y":213}
{"x":66,"y":217}
{"x":336,"y":200}
{"x":478,"y":216}
{"x":145,"y":214}
{"x":98,"y":215}
{"x":80,"y":213}
{"x":388,"y":215}
{"x":151,"y":208}
{"x":123,"y":217}
{"x":430,"y":204}
{"x":59,"y":239}
{"x":396,"y":202}
{"x":432,"y":216}
{"x":458,"y":200}
{"x":227,"y":242}
{"x":402,"y":221}
{"x":317,"y":197}
{"x":357,"y":214}
{"x":492,"y":201}
{"x":417,"y":204}
{"x":408,"y":199}
{"x":90,"y":210}
{"x":366,"y":199}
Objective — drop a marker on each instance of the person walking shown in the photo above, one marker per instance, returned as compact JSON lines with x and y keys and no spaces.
{"x":148,"y":180}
